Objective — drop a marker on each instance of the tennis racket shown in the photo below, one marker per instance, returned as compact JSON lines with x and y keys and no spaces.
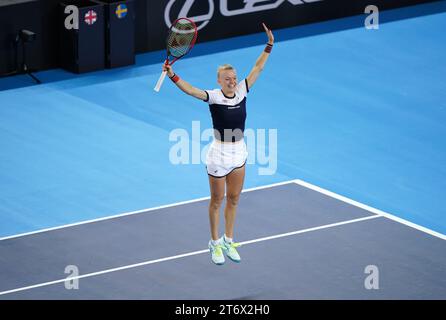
{"x":180,"y":40}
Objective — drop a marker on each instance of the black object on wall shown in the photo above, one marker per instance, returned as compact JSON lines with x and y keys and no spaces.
{"x":24,"y":39}
{"x":82,"y":49}
{"x":119,"y":32}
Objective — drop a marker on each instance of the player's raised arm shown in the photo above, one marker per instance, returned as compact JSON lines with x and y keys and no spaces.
{"x":183,"y":85}
{"x":260,"y":63}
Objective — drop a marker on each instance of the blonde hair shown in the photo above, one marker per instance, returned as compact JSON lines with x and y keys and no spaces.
{"x":224,"y":68}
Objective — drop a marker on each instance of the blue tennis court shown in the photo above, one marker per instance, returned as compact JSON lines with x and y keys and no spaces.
{"x":356,"y":182}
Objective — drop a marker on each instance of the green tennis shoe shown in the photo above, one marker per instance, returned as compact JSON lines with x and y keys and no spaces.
{"x":230,"y":250}
{"x":217,"y":253}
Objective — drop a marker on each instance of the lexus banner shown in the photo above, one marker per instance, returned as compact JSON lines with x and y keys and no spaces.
{"x":226,"y":18}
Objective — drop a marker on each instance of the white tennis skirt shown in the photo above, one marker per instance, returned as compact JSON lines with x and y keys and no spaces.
{"x":223,"y":158}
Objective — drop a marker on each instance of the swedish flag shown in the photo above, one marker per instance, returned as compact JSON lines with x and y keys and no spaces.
{"x":121,"y":11}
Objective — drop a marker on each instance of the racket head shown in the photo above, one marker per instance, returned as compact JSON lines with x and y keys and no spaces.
{"x":181,"y":39}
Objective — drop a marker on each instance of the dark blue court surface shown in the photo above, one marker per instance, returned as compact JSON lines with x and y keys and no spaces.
{"x":299,"y":242}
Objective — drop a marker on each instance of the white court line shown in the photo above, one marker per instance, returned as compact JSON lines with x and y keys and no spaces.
{"x":371,"y":209}
{"x":185,"y":255}
{"x":136,"y":212}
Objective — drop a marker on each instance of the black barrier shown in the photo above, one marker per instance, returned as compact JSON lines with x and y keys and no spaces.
{"x":82,"y":46}
{"x":217,"y":19}
{"x":119,"y":32}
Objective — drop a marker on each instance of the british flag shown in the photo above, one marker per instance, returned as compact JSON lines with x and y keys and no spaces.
{"x":90,"y":17}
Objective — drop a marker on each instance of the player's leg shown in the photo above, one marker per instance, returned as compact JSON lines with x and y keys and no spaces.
{"x":217,"y":188}
{"x":234,"y":186}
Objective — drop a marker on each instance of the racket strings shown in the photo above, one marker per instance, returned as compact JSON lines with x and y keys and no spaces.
{"x":181,"y":37}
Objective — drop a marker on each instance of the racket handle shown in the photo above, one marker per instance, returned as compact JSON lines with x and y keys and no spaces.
{"x":160,"y":81}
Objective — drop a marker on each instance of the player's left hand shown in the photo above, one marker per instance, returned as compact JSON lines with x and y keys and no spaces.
{"x":269,"y":33}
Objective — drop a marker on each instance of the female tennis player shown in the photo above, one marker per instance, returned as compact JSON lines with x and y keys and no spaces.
{"x":226,"y":158}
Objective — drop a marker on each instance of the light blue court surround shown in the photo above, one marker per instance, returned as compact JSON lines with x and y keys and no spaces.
{"x":359,"y":112}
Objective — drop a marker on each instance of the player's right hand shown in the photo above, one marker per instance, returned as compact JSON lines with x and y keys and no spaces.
{"x":168,"y":68}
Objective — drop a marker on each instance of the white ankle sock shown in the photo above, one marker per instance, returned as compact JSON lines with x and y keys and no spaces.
{"x":215,"y":242}
{"x":228,"y":240}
